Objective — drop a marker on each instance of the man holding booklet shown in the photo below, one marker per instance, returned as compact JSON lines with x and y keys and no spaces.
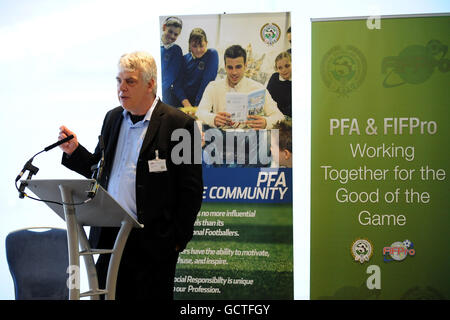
{"x":237,"y":99}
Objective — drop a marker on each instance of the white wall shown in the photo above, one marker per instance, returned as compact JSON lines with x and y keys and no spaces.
{"x":58,"y":62}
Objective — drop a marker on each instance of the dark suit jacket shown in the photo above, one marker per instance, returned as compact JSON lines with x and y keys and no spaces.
{"x":167,"y":202}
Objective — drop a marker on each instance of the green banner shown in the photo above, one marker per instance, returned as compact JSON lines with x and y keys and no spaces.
{"x":380,"y":158}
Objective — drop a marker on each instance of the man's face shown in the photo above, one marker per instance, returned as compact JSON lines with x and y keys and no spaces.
{"x":235,"y":70}
{"x":170,"y":34}
{"x":132,"y":92}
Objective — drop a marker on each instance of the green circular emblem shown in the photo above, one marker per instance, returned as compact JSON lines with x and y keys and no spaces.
{"x":270,"y":33}
{"x":415,"y":64}
{"x":343,"y":69}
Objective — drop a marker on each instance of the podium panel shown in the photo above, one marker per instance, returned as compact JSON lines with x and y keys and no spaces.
{"x":87,"y":214}
{"x":102,"y":211}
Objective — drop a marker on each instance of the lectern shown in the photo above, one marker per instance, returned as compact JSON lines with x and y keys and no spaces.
{"x":101,"y":211}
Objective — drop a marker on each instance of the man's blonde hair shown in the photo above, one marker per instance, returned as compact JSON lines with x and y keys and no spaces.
{"x":140,"y":61}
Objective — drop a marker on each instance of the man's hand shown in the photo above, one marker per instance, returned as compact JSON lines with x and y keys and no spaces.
{"x":222,"y":119}
{"x":258,"y":122}
{"x":70,"y":146}
{"x":186,"y":103}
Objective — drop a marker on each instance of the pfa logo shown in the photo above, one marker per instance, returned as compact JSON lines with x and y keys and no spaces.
{"x":270,"y":33}
{"x":343,"y":69}
{"x":398,"y":251}
{"x":362,"y":250}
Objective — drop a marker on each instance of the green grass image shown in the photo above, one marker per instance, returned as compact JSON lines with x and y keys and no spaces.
{"x":250,"y":257}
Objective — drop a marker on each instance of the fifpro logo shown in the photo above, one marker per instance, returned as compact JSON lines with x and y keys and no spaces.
{"x":398,"y":251}
{"x":415,"y":64}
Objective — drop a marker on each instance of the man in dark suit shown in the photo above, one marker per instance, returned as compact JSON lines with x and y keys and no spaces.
{"x":166,"y":199}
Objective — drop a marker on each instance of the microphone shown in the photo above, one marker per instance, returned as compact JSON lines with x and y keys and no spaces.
{"x":97,"y":170}
{"x":34,"y":170}
{"x":60,"y":142}
{"x":102,"y":160}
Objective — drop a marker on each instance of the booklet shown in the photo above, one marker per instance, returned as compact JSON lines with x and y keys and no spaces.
{"x":241,"y":105}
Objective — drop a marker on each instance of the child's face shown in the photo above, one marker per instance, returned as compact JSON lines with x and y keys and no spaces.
{"x":170,"y":34}
{"x":284,"y":68}
{"x":198,"y":49}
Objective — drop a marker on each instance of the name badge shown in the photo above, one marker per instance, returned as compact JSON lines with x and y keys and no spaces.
{"x":157,"y":165}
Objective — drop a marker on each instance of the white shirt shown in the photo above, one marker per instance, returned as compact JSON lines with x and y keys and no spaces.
{"x":214,"y":101}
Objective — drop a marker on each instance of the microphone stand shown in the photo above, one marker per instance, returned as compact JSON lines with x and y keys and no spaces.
{"x":33,"y":170}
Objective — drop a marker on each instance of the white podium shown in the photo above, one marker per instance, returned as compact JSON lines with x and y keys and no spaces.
{"x":101,"y":211}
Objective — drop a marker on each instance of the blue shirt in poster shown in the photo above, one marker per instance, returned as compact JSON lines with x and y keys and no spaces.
{"x":171,"y":66}
{"x":197,"y":73}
